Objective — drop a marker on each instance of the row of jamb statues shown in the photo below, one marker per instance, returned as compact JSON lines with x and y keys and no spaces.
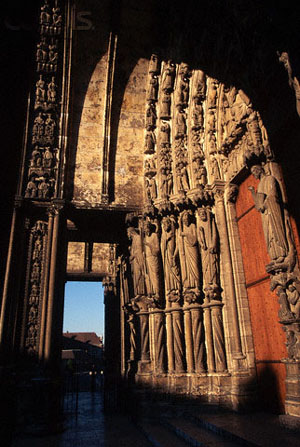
{"x":175,"y":270}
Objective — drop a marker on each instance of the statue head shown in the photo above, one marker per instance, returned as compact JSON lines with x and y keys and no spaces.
{"x":202,"y":213}
{"x":257,"y":171}
{"x":167,"y":225}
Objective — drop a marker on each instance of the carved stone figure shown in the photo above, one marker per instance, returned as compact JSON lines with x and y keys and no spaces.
{"x":168,"y":76}
{"x":43,"y":189}
{"x":169,"y":255}
{"x":268,"y":202}
{"x":293,"y":297}
{"x":182,"y":91}
{"x":293,"y":81}
{"x":36,"y":158}
{"x":31,"y":189}
{"x":189,"y":255}
{"x":52,"y":91}
{"x":165,"y":112}
{"x":197,"y":115}
{"x":153,"y":265}
{"x":50,"y":126}
{"x":180,"y":123}
{"x":150,"y":117}
{"x":255,"y":133}
{"x":154,"y":64}
{"x":211,"y":122}
{"x":137,"y":262}
{"x":201,"y":86}
{"x":182,"y":177}
{"x":165,"y":134}
{"x":151,"y":188}
{"x":38,"y":129}
{"x":47,"y":158}
{"x":149,"y":142}
{"x":212,"y":95}
{"x":200,"y":173}
{"x":208,"y":243}
{"x":152,"y":88}
{"x":40,"y":92}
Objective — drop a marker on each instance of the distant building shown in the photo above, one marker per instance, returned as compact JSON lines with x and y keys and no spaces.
{"x":85,"y":348}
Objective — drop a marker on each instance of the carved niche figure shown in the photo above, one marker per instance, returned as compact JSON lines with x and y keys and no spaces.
{"x":211,"y":144}
{"x":182,"y":177}
{"x":151,"y":189}
{"x":150,"y":141}
{"x":57,"y":20}
{"x":36,"y":158}
{"x":40,"y":92}
{"x":165,"y":112}
{"x":255,"y":132}
{"x":197,"y":115}
{"x":267,"y":201}
{"x":52,"y":89}
{"x":208,"y":243}
{"x":211,"y":122}
{"x":31,"y":188}
{"x":47,"y":158}
{"x":215,"y":170}
{"x":136,"y":260}
{"x":212,"y":95}
{"x":169,"y":255}
{"x":154,"y":64}
{"x":165,"y":134}
{"x":42,"y":54}
{"x":182,"y":91}
{"x":50,"y":126}
{"x":201,"y":85}
{"x":150,"y":117}
{"x":168,"y":76}
{"x":189,"y":255}
{"x":293,"y":297}
{"x":180,"y":123}
{"x":43,"y":189}
{"x":38,"y":128}
{"x":200,"y":173}
{"x":293,"y":81}
{"x":45,"y":16}
{"x":153,"y":265}
{"x":152,"y":88}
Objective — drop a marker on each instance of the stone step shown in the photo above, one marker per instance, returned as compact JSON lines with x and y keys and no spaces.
{"x":230,"y":435}
{"x":198,"y":436}
{"x":160,"y":436}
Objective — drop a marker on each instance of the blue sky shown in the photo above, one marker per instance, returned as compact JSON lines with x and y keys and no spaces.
{"x":84,"y":308}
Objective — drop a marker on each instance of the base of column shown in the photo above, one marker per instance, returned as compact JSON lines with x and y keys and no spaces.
{"x":144,"y":367}
{"x":292,"y":381}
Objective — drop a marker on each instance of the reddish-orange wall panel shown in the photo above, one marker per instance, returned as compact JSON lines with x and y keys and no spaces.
{"x":269,"y":338}
{"x":255,"y":255}
{"x":244,"y":199}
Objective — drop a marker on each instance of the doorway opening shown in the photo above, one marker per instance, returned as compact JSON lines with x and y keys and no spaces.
{"x":83,"y":336}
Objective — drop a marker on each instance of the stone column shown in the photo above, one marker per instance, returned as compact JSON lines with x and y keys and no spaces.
{"x":218,"y":336}
{"x":170,"y":341}
{"x":218,"y":189}
{"x":178,"y":339}
{"x":188,"y":340}
{"x":54,"y":304}
{"x":198,"y":338}
{"x":159,"y":341}
{"x":209,"y":339}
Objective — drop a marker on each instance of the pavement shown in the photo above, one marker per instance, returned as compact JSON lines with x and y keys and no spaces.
{"x":162,"y":425}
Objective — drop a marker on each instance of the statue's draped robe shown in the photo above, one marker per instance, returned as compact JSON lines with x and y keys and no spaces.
{"x":268,"y":199}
